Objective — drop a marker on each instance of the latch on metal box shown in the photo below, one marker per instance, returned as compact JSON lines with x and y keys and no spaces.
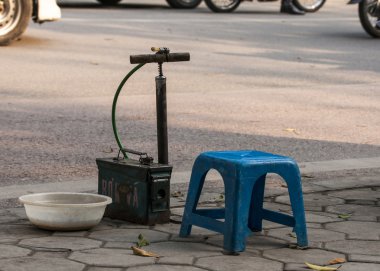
{"x":160,"y":192}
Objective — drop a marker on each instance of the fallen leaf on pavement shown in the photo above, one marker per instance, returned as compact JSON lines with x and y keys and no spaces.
{"x":337,"y":260}
{"x":292,"y":234}
{"x":344,"y":216}
{"x":291,"y":130}
{"x":321,"y":268}
{"x":144,"y":253}
{"x":177,"y":194}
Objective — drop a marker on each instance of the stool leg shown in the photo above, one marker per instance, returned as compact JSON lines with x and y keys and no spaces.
{"x":237,"y":204}
{"x":293,"y":180}
{"x":257,"y":201}
{"x":195,"y":188}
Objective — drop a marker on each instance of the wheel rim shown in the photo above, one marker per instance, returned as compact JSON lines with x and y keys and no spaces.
{"x":10,"y":14}
{"x":310,"y":4}
{"x":224,"y":4}
{"x":371,"y":12}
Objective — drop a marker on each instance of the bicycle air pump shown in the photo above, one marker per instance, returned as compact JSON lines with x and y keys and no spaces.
{"x":140,"y":189}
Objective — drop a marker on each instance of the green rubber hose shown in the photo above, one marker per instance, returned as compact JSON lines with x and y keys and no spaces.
{"x":114,"y":108}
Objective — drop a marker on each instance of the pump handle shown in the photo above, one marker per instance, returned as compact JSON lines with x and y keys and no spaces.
{"x":159,"y":58}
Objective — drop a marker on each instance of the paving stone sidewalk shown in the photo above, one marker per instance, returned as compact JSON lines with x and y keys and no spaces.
{"x":343,"y":218}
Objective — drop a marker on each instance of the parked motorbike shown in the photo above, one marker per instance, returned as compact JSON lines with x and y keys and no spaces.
{"x":231,"y":5}
{"x":15,"y":16}
{"x":368,"y":15}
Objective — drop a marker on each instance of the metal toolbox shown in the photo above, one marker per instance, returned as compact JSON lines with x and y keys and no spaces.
{"x":140,"y":192}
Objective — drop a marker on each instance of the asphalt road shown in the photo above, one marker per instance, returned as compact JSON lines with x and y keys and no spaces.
{"x":305,"y":86}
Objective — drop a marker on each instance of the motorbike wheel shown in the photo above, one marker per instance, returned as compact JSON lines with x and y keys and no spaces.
{"x":223,"y":6}
{"x":183,"y":4}
{"x":14,"y":18}
{"x":368,"y":18}
{"x":109,"y":2}
{"x":309,"y":5}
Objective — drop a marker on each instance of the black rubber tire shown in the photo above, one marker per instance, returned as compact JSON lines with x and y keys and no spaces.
{"x":183,"y":4}
{"x":14,"y":19}
{"x":109,"y":2}
{"x":216,"y":8}
{"x":366,"y":19}
{"x":299,"y":4}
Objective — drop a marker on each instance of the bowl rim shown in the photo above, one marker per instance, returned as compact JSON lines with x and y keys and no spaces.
{"x":25,"y":199}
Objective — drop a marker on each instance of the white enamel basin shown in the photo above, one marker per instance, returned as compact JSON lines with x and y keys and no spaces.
{"x":65,"y":211}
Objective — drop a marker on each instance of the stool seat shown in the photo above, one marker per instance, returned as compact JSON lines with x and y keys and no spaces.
{"x":243,"y":174}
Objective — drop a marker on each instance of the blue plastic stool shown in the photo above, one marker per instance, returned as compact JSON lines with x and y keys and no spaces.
{"x":243,"y":174}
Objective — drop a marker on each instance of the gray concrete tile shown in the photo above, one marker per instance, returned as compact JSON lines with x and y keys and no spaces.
{"x":315,"y":236}
{"x":296,"y":267}
{"x":18,"y":212}
{"x":60,"y":243}
{"x":53,"y":254}
{"x":255,"y":242}
{"x":177,"y":202}
{"x":162,"y":267}
{"x":94,"y":268}
{"x":357,"y":229}
{"x":315,"y":256}
{"x":356,"y":194}
{"x":360,"y":266}
{"x":271,"y":225}
{"x":9,"y":218}
{"x":125,"y":245}
{"x":313,"y":200}
{"x":70,"y":233}
{"x":104,"y":225}
{"x":177,"y":211}
{"x":9,"y":233}
{"x":349,"y":182}
{"x":314,"y":225}
{"x":179,"y":260}
{"x":108,"y":257}
{"x":8,"y":251}
{"x":364,"y":258}
{"x":241,"y":263}
{"x":129,"y":235}
{"x":320,"y":217}
{"x":40,"y":264}
{"x":277,"y":207}
{"x":174,"y":229}
{"x":354,"y":210}
{"x":355,"y":247}
{"x":362,"y":218}
{"x":174,"y":249}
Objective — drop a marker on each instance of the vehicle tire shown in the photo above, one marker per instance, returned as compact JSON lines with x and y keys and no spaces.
{"x":14,"y":18}
{"x":223,"y":6}
{"x":184,"y":4}
{"x":109,"y":2}
{"x":368,"y":18}
{"x":309,"y":5}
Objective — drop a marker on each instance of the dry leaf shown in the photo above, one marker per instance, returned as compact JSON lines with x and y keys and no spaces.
{"x":291,"y":130}
{"x":292,"y":234}
{"x":144,"y":253}
{"x":344,"y":216}
{"x":177,"y":194}
{"x":337,"y":260}
{"x":321,"y":268}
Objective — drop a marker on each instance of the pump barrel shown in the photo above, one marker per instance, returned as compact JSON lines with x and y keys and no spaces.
{"x":159,"y":58}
